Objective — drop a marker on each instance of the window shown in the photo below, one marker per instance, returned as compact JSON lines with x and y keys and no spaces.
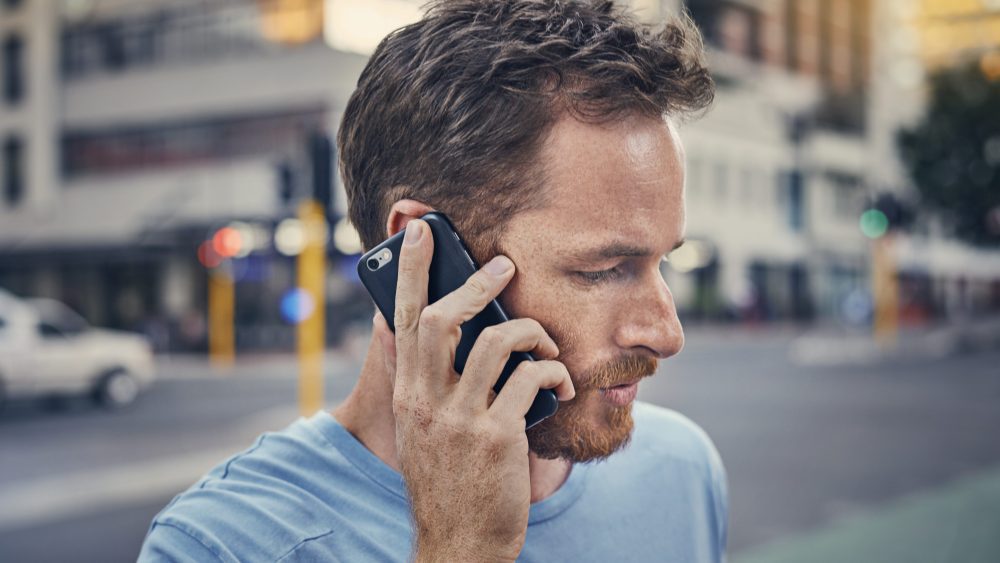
{"x":13,"y":69}
{"x":49,"y":330}
{"x":13,"y":170}
{"x":794,"y":200}
{"x":846,"y":194}
{"x":738,"y":30}
{"x":192,"y":31}
{"x":791,"y":36}
{"x":163,"y":145}
{"x":705,"y":13}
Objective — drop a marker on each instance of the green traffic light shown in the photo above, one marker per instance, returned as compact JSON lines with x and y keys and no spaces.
{"x":874,"y":224}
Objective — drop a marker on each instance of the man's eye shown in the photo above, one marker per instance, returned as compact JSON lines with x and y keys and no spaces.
{"x":600,"y":276}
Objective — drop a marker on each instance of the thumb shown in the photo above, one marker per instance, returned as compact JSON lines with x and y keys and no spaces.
{"x":387,"y":339}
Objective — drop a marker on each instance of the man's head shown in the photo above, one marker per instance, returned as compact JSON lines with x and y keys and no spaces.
{"x":543,"y":129}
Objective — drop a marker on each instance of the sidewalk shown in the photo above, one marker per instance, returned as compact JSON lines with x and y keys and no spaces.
{"x":267,"y":365}
{"x":957,"y":523}
{"x":833,"y":346}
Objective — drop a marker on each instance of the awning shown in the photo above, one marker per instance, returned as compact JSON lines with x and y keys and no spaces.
{"x":139,"y":209}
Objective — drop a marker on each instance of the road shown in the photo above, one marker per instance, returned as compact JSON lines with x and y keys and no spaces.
{"x":822,"y":459}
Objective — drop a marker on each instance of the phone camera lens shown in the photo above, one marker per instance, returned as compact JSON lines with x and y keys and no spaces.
{"x":372,"y":264}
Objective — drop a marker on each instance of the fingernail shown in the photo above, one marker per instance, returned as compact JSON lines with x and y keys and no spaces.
{"x":413,"y":231}
{"x":498,"y":266}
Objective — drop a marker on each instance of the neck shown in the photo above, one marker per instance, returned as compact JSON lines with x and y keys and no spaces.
{"x":367,"y":414}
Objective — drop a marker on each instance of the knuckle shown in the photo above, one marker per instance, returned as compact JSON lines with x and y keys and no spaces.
{"x":533,"y":325}
{"x":553,"y":370}
{"x":406,"y":314}
{"x":564,"y":371}
{"x":478,"y":286}
{"x":432,"y":318}
{"x":528,"y":369}
{"x":480,"y":433}
{"x":492,"y":336}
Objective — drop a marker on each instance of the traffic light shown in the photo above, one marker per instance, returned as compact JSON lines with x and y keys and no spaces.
{"x":885,"y":213}
{"x":321,"y":161}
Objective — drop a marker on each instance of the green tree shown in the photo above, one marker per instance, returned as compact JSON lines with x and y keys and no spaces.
{"x":953,"y":154}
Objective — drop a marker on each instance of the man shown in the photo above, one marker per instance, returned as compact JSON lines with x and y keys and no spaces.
{"x":545,"y":129}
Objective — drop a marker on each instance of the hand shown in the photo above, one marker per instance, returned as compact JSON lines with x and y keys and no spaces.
{"x":463,"y":457}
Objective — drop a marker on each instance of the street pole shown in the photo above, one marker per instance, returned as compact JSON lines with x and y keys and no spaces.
{"x":311,"y":268}
{"x":221,"y":318}
{"x":885,"y":289}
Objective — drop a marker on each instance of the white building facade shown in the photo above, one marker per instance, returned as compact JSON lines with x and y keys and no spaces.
{"x":813,"y":93}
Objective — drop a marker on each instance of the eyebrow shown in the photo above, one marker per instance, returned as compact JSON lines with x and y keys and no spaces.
{"x":618,"y":250}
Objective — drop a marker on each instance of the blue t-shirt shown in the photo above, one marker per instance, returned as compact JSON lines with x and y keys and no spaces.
{"x":313,"y":492}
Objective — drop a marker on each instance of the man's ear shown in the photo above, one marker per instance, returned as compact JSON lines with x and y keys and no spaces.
{"x":404,"y":211}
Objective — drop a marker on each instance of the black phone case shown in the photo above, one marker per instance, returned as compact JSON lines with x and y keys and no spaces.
{"x":451,"y":266}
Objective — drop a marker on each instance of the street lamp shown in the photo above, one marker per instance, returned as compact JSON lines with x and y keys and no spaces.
{"x":291,"y":22}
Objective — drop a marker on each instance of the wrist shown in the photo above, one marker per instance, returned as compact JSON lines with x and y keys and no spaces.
{"x":431,"y":552}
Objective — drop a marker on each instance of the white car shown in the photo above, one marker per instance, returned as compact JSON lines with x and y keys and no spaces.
{"x":46,"y":349}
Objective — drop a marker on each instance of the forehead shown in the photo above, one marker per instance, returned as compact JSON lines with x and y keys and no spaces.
{"x":617,"y":182}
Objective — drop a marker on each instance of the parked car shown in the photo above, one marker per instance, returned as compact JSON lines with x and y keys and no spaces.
{"x":47,"y":349}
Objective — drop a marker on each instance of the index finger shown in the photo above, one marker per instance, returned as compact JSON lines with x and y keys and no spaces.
{"x":411,"y":292}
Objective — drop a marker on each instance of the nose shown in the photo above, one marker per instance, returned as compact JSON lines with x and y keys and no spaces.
{"x":649,"y":322}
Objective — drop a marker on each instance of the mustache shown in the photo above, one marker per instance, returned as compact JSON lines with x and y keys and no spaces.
{"x":622,"y":370}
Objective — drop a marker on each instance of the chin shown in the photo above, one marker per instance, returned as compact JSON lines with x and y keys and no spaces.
{"x":584,"y":429}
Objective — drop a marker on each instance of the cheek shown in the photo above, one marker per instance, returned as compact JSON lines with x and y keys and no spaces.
{"x":534,"y":298}
{"x":581,"y":322}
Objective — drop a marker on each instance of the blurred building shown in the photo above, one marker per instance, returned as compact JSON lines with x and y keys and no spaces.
{"x":922,"y":36}
{"x":777,"y":168}
{"x":800,"y":141}
{"x":131,"y":131}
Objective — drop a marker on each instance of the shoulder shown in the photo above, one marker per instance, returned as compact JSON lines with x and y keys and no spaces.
{"x":668,"y":438}
{"x":674,"y":454}
{"x":260,"y":501}
{"x":666,"y":433}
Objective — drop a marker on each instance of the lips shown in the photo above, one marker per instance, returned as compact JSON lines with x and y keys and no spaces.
{"x":624,"y":383}
{"x":621,"y":395}
{"x":618,"y":380}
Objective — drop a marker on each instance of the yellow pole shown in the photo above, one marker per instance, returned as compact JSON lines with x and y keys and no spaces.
{"x":221,"y":304}
{"x":312,"y":329}
{"x":885,"y":289}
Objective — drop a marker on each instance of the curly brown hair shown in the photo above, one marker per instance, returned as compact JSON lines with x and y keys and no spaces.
{"x":452,"y":110}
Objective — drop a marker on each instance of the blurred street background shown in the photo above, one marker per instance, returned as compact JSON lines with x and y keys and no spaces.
{"x":177,"y":275}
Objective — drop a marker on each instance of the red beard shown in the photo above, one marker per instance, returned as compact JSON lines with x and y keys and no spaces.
{"x":589,"y":428}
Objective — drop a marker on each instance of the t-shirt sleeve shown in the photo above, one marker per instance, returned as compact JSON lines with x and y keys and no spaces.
{"x":718,"y":493}
{"x":166,"y":542}
{"x":720,"y":498}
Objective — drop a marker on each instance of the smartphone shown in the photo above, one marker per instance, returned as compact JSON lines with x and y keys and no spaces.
{"x":451,"y":265}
